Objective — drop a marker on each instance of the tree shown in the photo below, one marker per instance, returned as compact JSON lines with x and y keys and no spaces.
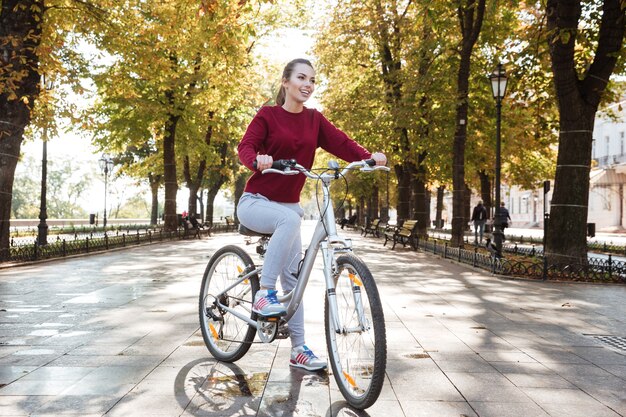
{"x":380,"y":59}
{"x":66,"y":186}
{"x":35,"y":37}
{"x":177,"y":75}
{"x":20,"y":36}
{"x":583,"y":59}
{"x":470,"y":14}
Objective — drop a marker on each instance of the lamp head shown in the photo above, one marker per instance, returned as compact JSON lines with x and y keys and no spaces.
{"x":498,"y":80}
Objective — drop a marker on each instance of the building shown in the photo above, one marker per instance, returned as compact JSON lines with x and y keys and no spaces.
{"x":608,"y":174}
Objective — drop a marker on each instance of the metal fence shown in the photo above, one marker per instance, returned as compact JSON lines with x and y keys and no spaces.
{"x":533,"y":266}
{"x":89,"y":243}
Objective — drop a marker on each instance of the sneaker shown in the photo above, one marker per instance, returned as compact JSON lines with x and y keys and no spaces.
{"x":266,"y":304}
{"x":303,"y":357}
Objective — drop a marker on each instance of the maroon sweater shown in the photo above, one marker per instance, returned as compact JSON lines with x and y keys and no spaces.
{"x":283,"y":135}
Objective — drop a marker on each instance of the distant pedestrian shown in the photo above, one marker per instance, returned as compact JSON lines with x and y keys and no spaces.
{"x":479,"y":217}
{"x":504,"y":216}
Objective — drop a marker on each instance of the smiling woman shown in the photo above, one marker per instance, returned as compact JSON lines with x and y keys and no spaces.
{"x":271,"y":203}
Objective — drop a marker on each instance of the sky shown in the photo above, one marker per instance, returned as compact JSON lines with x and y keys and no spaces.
{"x":285,"y":46}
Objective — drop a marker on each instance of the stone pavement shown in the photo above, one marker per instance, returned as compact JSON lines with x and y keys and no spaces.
{"x":116,"y":334}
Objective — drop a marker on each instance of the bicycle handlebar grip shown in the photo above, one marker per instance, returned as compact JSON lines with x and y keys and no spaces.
{"x":280,"y":164}
{"x":370,"y":162}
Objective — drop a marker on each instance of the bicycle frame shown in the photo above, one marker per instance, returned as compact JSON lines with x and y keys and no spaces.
{"x":325,"y":237}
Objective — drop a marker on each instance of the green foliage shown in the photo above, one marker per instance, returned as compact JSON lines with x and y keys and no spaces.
{"x":134,"y":208}
{"x":424,"y":38}
{"x":66,"y":185}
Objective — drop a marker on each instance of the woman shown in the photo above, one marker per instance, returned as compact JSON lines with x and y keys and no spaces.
{"x":270,"y":203}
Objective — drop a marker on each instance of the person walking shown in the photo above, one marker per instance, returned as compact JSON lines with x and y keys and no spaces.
{"x":479,"y":217}
{"x":504,"y":216}
{"x":270,"y":203}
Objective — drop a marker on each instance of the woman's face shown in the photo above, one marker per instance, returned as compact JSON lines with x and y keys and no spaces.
{"x":299,"y":87}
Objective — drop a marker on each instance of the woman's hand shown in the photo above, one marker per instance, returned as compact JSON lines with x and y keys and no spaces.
{"x":380,"y":158}
{"x":263,"y":162}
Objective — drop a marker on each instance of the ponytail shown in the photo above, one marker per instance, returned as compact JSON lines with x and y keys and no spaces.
{"x":280,"y":97}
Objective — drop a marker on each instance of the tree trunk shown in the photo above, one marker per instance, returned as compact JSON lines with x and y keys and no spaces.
{"x":578,"y":100}
{"x":20,"y":36}
{"x":420,"y":202}
{"x":154,"y":192}
{"x":375,"y":203}
{"x":485,"y":191}
{"x":216,"y":179}
{"x":439,"y":207}
{"x":194,"y":184}
{"x":169,"y":174}
{"x":210,"y":200}
{"x":403,"y":174}
{"x":201,"y":203}
{"x":470,"y":14}
{"x":240,"y":184}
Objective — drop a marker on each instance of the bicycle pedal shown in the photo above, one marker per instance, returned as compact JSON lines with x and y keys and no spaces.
{"x":283,"y":331}
{"x":272,"y":318}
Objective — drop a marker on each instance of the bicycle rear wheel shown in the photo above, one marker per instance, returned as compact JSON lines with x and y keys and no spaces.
{"x":358,"y":348}
{"x":227,"y":337}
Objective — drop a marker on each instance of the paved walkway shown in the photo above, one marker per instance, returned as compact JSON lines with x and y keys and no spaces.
{"x":116,"y":334}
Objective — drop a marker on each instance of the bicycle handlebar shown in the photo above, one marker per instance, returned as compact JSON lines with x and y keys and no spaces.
{"x":291,"y":167}
{"x":279,"y":164}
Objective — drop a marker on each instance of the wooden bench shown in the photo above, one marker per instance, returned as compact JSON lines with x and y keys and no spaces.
{"x":189,"y":228}
{"x":371,"y":228}
{"x":406,"y":233}
{"x":349,"y":223}
{"x":230,"y":224}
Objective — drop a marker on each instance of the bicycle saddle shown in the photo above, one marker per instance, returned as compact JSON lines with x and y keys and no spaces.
{"x":249,"y":232}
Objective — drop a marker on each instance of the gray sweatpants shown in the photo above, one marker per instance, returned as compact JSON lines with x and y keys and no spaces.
{"x":284,"y":250}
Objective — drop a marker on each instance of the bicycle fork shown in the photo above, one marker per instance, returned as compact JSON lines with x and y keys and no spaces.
{"x":331,"y":272}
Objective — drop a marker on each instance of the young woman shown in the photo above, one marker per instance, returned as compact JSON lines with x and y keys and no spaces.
{"x":270,"y":203}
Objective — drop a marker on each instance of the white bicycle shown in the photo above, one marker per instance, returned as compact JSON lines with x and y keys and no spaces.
{"x":353,"y":313}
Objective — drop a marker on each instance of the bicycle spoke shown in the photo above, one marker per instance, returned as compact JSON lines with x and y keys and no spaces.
{"x":227,"y":337}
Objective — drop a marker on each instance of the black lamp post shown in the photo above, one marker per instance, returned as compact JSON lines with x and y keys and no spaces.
{"x":106,"y":165}
{"x":42,"y":227}
{"x":498,"y":87}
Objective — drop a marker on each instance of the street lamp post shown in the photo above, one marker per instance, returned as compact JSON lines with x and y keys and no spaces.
{"x":498,"y":86}
{"x":42,"y":227}
{"x":106,"y":164}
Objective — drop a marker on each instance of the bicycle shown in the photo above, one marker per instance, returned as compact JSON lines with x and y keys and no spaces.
{"x":353,"y":313}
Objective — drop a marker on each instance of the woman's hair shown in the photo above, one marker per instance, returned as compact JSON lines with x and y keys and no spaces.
{"x":280,"y":97}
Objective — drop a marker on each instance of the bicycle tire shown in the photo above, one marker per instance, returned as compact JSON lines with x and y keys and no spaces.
{"x":358,"y":358}
{"x":226,"y":336}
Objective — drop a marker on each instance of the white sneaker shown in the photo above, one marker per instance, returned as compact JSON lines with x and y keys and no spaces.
{"x":303,"y":357}
{"x":266,"y":304}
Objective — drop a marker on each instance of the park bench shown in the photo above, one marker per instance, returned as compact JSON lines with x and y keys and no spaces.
{"x":189,"y":228}
{"x":371,"y":228}
{"x":230,"y":224}
{"x":349,"y":223}
{"x":405,"y":233}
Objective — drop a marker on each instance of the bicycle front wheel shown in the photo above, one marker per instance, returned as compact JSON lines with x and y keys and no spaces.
{"x":228,"y":337}
{"x":357,"y":345}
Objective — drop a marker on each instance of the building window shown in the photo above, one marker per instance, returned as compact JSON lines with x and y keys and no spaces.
{"x":607,"y":145}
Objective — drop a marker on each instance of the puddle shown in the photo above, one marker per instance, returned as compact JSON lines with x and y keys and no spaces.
{"x":237,"y":385}
{"x":417,"y":355}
